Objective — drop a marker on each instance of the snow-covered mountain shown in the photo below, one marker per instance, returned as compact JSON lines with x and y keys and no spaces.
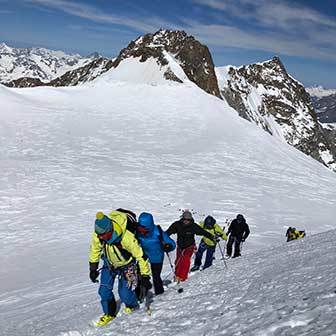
{"x":175,"y":49}
{"x":180,"y":57}
{"x":320,"y":91}
{"x":133,"y":139}
{"x":267,"y":95}
{"x":324,"y":101}
{"x":263,"y":93}
{"x":36,"y":63}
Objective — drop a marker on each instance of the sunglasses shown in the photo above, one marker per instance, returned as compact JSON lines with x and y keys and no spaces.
{"x":142,"y":230}
{"x":105,"y":236}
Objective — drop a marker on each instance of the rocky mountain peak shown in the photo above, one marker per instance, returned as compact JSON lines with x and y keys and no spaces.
{"x":5,"y":49}
{"x":193,"y":57}
{"x":267,"y":95}
{"x":94,"y":55}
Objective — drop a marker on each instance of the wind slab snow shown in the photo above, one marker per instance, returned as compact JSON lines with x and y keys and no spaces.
{"x":158,"y":147}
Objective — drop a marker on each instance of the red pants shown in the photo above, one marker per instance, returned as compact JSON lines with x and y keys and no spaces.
{"x":182,"y":262}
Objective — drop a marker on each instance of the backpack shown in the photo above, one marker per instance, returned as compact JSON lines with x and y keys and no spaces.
{"x":131,"y":220}
{"x":131,"y":226}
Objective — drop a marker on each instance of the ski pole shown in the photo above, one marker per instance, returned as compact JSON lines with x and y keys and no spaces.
{"x":221,"y":251}
{"x":170,"y":262}
{"x":171,"y":266}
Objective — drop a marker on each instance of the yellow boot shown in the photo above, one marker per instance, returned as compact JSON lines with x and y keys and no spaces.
{"x":129,"y":310}
{"x":104,"y":320}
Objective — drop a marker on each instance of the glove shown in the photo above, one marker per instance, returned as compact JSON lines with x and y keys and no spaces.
{"x":145,"y":282}
{"x":94,"y":272}
{"x":166,"y":247}
{"x":216,"y":239}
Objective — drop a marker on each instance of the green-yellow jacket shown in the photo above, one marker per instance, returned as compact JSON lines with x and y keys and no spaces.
{"x":215,"y":231}
{"x":115,"y":255}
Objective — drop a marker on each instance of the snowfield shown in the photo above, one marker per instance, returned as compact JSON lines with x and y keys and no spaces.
{"x":157,"y":146}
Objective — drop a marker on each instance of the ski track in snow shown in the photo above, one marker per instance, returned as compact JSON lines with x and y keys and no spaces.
{"x":66,"y":153}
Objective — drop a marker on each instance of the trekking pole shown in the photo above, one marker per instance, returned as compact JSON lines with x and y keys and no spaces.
{"x":171,"y":265}
{"x":221,"y":251}
{"x":170,"y":262}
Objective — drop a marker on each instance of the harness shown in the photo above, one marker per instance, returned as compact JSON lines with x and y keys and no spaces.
{"x":129,"y":271}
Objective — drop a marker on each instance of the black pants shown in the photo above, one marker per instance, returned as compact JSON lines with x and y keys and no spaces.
{"x":157,"y":281}
{"x":236,"y":242}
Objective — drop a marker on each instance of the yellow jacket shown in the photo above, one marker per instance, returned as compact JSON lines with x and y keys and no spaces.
{"x":215,"y":231}
{"x":297,"y":234}
{"x":115,"y":255}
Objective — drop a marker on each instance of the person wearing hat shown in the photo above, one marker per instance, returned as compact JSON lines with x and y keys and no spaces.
{"x":186,"y":229}
{"x":208,"y":245}
{"x":122,"y":256}
{"x":238,"y":231}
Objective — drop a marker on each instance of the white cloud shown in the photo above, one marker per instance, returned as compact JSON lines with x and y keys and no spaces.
{"x":272,"y":13}
{"x":228,"y":36}
{"x":94,"y":14}
{"x":274,"y":26}
{"x":277,"y":27}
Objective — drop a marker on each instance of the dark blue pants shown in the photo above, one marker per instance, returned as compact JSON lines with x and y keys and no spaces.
{"x":127,"y":295}
{"x":156,"y":274}
{"x":210,"y":250}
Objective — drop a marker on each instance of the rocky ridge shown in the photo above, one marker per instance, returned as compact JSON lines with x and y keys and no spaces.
{"x":193,"y":57}
{"x":264,"y":93}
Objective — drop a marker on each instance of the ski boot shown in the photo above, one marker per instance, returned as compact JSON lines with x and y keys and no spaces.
{"x":194,"y":268}
{"x":130,"y":310}
{"x":104,"y":320}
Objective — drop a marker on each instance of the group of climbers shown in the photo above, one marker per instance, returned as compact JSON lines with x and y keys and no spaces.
{"x":133,"y":250}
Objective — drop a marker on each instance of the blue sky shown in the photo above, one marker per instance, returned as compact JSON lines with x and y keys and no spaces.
{"x":301,"y":32}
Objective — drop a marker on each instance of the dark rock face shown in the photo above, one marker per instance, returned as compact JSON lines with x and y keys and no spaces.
{"x":25,"y":82}
{"x":194,"y":57}
{"x":330,"y":133}
{"x":84,"y":74}
{"x":325,"y":108}
{"x":265,"y":94}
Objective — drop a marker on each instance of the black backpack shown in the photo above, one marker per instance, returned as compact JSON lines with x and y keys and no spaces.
{"x":131,"y":220}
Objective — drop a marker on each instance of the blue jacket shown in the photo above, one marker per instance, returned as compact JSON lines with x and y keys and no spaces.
{"x":152,"y":241}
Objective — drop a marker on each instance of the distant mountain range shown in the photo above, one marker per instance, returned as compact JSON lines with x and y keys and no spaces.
{"x":324,"y":101}
{"x":41,"y":64}
{"x":263,"y":93}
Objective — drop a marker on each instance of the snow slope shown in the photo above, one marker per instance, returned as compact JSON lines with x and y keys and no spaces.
{"x":67,"y":152}
{"x":286,"y":290}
